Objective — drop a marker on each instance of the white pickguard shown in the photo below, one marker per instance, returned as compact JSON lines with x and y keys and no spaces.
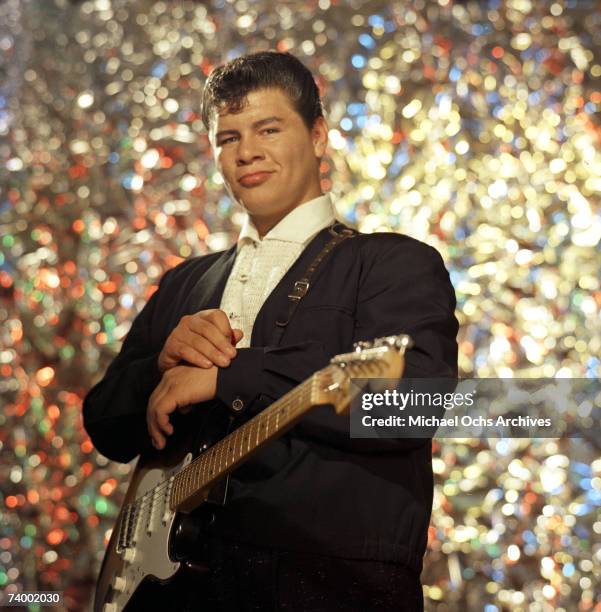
{"x":150,"y":553}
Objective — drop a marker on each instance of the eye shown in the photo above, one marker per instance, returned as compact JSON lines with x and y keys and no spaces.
{"x":270,"y":130}
{"x":226,"y":140}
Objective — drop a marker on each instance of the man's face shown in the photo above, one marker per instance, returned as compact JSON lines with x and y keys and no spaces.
{"x":267,"y":156}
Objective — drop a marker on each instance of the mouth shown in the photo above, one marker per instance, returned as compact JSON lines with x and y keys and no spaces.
{"x":254,"y":179}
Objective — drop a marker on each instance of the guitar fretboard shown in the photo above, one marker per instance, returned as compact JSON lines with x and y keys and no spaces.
{"x":235,"y":448}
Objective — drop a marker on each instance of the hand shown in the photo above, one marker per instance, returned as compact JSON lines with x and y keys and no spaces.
{"x":203,"y":339}
{"x":179,"y":387}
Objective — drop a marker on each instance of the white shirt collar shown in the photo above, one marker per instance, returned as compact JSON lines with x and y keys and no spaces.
{"x":300,"y":225}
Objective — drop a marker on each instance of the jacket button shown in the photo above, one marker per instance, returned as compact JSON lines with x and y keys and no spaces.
{"x":237,"y":404}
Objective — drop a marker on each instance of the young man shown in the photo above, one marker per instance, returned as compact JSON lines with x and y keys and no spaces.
{"x":316,"y":520}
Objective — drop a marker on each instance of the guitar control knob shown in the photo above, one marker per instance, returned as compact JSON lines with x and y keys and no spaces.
{"x":119,"y":583}
{"x":109,"y":607}
{"x":129,"y":554}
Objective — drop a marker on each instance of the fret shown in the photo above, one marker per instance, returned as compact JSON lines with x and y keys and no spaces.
{"x":200,"y":470}
{"x":211,"y":462}
{"x":268,"y":424}
{"x":232,"y":449}
{"x":243,"y":439}
{"x":229,"y":450}
{"x":225,"y":448}
{"x":204,"y":462}
{"x":222,"y":457}
{"x":210,"y":454}
{"x":238,"y":438}
{"x":184,"y":484}
{"x":260,"y":430}
{"x":241,"y":434}
{"x":196,"y":475}
{"x":176,"y":485}
{"x":193,"y":467}
{"x":222,"y":453}
{"x":211,"y":471}
{"x":201,"y":478}
{"x":217,"y":464}
{"x":265,"y":427}
{"x":216,"y":461}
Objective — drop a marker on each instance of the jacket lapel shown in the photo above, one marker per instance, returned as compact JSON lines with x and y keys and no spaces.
{"x":209,"y":288}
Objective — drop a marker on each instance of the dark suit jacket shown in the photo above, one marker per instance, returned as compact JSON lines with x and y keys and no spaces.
{"x":315,"y":489}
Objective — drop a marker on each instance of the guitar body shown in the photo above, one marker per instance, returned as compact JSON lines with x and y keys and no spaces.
{"x":153,"y":548}
{"x":151,"y":554}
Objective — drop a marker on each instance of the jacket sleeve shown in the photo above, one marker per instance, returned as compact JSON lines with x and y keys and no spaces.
{"x":417,"y":299}
{"x":114,"y":410}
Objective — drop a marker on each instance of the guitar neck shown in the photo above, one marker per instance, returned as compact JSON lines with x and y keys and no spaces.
{"x":190,"y":484}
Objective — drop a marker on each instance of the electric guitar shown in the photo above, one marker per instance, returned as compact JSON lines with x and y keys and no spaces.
{"x":144,"y":542}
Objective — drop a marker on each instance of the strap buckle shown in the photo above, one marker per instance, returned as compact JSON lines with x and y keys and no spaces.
{"x":299,"y":290}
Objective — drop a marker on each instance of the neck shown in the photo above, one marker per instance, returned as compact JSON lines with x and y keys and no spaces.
{"x":265,"y":224}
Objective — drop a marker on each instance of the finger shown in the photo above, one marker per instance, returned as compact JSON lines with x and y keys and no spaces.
{"x":206,"y":331}
{"x":150,"y":417}
{"x":158,"y":440}
{"x":237,"y":334}
{"x":220,"y":320}
{"x":154,"y":429}
{"x":202,"y":353}
{"x":215,"y":355}
{"x":194,"y":355}
{"x":183,"y":347}
{"x":164,"y":423}
{"x":164,"y":406}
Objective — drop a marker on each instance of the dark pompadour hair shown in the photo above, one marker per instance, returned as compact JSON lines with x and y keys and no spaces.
{"x":228,"y":85}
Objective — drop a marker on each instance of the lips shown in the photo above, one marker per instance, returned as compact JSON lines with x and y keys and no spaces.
{"x":256,"y":178}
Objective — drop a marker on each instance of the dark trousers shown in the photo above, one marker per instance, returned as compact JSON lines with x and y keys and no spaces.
{"x":243,"y":578}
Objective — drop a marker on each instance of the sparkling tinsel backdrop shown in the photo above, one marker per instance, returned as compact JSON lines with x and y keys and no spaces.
{"x":471,"y":125}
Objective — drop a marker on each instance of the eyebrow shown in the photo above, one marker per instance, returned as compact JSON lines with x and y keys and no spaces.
{"x":256,"y":124}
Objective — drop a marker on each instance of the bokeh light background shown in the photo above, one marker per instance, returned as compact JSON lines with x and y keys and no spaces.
{"x":473,"y":126}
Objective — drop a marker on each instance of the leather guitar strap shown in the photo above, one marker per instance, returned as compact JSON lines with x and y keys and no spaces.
{"x":301,"y":287}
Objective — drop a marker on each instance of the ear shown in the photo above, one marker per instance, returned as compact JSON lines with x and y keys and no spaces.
{"x":319,"y":134}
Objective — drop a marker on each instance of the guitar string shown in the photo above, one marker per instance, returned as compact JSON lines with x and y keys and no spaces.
{"x":146,"y":501}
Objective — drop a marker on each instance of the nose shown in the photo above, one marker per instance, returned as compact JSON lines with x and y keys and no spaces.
{"x":248,"y":151}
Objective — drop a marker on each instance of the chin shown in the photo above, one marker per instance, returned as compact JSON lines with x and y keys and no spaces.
{"x":258,"y":206}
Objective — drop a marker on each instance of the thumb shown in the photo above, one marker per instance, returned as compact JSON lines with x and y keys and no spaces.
{"x":238,"y":335}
